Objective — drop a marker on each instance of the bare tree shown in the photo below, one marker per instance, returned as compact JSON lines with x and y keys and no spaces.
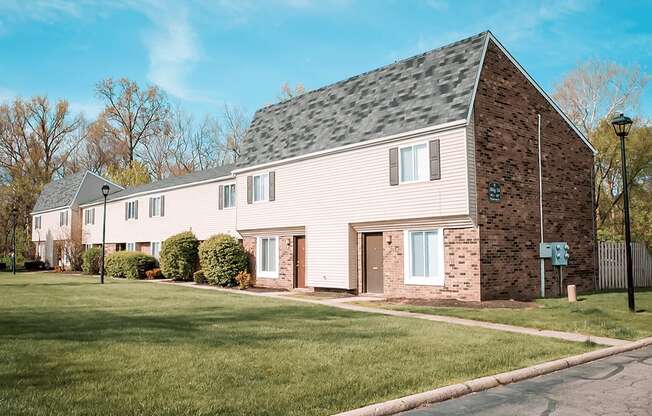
{"x":132,"y":115}
{"x":596,"y":90}
{"x":235,"y":127}
{"x":288,"y":92}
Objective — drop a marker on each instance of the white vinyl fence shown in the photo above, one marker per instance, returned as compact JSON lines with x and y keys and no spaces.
{"x":612,"y":272}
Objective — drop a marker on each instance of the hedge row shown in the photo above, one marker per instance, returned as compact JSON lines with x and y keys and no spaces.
{"x":91,"y":260}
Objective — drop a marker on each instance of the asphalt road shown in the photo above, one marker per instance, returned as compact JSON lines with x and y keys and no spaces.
{"x":618,"y":385}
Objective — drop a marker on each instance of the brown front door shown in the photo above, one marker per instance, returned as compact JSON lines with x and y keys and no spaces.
{"x":300,"y":261}
{"x":373,"y":262}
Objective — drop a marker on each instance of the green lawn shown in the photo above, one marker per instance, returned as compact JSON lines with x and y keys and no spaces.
{"x":70,"y":346}
{"x":603,"y":314}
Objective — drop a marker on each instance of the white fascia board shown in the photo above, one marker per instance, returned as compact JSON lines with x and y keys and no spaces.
{"x":367,"y":143}
{"x":45,"y":211}
{"x":541,"y":90}
{"x":159,"y":190}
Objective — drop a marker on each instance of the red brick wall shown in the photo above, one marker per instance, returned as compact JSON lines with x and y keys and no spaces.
{"x":461,"y":267}
{"x":285,"y":278}
{"x":505,"y":116}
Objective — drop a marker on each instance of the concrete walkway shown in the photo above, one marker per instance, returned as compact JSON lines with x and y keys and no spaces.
{"x":345,"y":303}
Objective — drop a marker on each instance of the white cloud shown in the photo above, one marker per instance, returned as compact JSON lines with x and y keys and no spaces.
{"x":90,"y":109}
{"x":6,"y":95}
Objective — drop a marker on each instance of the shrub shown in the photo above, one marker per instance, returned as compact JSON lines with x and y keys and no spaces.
{"x":91,"y":261}
{"x":154,"y":274}
{"x":129,"y":264}
{"x":222,"y":258}
{"x":244,"y":280}
{"x":179,"y":256}
{"x":199,"y":277}
{"x":34,"y":265}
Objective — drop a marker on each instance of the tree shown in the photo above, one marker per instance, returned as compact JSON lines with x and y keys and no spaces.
{"x":597,"y":90}
{"x":591,"y":95}
{"x":287,"y":92}
{"x":234,"y":131}
{"x":131,"y":115}
{"x":134,"y":175}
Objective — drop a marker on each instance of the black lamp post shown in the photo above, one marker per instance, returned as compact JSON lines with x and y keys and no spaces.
{"x":14,"y":214}
{"x":105,"y":193}
{"x":622,"y":124}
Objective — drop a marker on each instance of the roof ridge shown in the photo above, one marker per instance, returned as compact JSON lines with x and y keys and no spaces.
{"x":371,"y":71}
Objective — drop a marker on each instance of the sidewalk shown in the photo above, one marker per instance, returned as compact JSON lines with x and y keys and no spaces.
{"x":345,"y":303}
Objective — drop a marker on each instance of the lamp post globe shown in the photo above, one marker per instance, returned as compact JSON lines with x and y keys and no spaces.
{"x":14,"y":215}
{"x":622,"y":125}
{"x":105,"y":192}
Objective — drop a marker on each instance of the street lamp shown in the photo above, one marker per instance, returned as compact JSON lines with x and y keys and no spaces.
{"x":14,"y":213}
{"x":622,"y":124}
{"x":105,"y":192}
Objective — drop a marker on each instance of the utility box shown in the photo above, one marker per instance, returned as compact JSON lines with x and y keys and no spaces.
{"x":545,"y":250}
{"x":560,"y":254}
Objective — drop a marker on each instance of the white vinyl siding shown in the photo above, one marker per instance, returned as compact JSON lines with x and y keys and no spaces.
{"x":130,"y":247}
{"x":328,"y":195}
{"x":155,"y":248}
{"x":414,"y":165}
{"x":424,"y":260}
{"x":229,"y":196}
{"x":267,"y":257}
{"x":89,"y":216}
{"x":261,"y":187}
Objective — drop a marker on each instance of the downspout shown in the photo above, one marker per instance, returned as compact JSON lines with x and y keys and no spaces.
{"x":541,"y":260}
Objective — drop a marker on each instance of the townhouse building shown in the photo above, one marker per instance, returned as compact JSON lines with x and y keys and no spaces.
{"x":418,"y":179}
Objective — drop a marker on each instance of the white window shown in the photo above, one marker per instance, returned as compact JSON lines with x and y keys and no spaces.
{"x":267,"y":257}
{"x":156,"y":206}
{"x":131,"y":247}
{"x":413,"y":163}
{"x":63,"y":218}
{"x":37,"y":223}
{"x":156,"y":248}
{"x":424,"y":262}
{"x":132,"y":209}
{"x":89,"y":216}
{"x":261,"y":187}
{"x":229,"y":196}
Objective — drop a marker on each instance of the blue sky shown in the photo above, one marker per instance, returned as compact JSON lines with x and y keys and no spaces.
{"x":208,"y":53}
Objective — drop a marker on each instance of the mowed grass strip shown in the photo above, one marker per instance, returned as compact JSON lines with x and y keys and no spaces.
{"x":70,"y":346}
{"x":601,"y":314}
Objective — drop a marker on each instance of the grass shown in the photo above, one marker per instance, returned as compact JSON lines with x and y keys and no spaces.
{"x":70,"y":346}
{"x":602,"y":314}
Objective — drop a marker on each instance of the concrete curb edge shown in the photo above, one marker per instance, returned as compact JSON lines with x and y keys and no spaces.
{"x":441,"y":394}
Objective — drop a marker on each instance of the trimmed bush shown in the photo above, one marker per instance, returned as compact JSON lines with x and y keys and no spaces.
{"x":91,"y":260}
{"x":222,"y":258}
{"x":199,"y":277}
{"x":129,"y":264}
{"x":244,"y":280}
{"x":153,"y":274}
{"x":34,"y":265}
{"x":179,"y":256}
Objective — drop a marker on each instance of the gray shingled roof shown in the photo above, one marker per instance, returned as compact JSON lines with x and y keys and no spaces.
{"x":428,"y":89}
{"x":193,"y":177}
{"x":59,"y":193}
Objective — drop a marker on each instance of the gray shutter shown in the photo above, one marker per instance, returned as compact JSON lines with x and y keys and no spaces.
{"x":151,"y":207}
{"x":162,"y":205}
{"x":220,"y":197}
{"x":393,"y":166}
{"x":250,"y":194}
{"x":435,"y":164}
{"x":136,"y":209}
{"x":272,"y":185}
{"x":93,"y":215}
{"x":126,"y":211}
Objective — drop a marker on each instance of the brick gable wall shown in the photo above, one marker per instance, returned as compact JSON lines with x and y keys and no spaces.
{"x":505,"y":121}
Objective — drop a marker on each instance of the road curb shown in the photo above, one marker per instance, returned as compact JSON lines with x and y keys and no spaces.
{"x":441,"y":394}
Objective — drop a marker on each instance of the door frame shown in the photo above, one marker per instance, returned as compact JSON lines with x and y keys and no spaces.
{"x":363,"y":260}
{"x":295,"y":257}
